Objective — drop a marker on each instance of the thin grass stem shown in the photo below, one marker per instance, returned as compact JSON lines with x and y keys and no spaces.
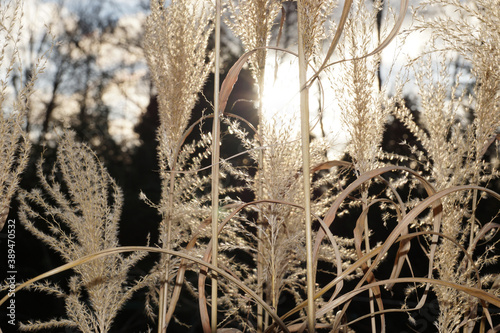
{"x":304,"y":117}
{"x":215,"y":165}
{"x":368,"y":249}
{"x":260,"y":194}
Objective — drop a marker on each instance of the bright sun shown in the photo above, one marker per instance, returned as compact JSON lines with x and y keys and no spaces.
{"x":281,"y":104}
{"x":280,"y":98}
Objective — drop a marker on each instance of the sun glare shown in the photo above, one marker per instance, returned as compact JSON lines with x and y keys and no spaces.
{"x":280,"y":99}
{"x":281,"y":104}
{"x":281,"y":96}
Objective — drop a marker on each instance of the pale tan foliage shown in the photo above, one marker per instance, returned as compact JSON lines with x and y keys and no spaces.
{"x":454,"y":148}
{"x":14,"y":143}
{"x":76,"y":213}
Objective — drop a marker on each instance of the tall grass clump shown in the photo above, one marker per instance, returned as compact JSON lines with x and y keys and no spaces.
{"x":287,"y":241}
{"x":455,"y":146}
{"x":176,"y":50}
{"x":364,"y":110}
{"x":14,"y":141}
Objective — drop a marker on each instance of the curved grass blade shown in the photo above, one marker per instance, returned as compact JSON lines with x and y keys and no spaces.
{"x":123,"y":249}
{"x":475,"y":292}
{"x":331,"y":213}
{"x":358,"y":240}
{"x":365,"y":259}
{"x":179,"y":281}
{"x":338,"y":33}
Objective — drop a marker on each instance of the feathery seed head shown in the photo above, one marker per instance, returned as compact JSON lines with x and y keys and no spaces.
{"x":176,"y":44}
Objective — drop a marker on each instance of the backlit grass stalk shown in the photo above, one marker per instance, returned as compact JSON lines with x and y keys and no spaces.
{"x":252,"y":22}
{"x":215,"y":165}
{"x":260,"y":220}
{"x":363,"y":111}
{"x":305,"y":132}
{"x":14,"y":141}
{"x":175,"y":46}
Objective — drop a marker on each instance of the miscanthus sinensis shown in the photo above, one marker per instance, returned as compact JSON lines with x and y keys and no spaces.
{"x":176,"y":42}
{"x":14,"y":104}
{"x":361,"y":102}
{"x":454,"y":146}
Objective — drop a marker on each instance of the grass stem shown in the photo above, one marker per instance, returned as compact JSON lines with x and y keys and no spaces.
{"x":215,"y":165}
{"x":304,"y":117}
{"x":260,"y":195}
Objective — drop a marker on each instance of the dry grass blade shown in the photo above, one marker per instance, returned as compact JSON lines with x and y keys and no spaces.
{"x":124,"y":249}
{"x":231,"y":78}
{"x":489,"y":143}
{"x":330,"y":215}
{"x":216,"y":139}
{"x":336,"y":39}
{"x":482,"y":233}
{"x":181,"y":272}
{"x":338,"y":258}
{"x":475,"y":292}
{"x":305,"y":133}
{"x":358,"y":240}
{"x":395,"y":30}
{"x":330,"y":164}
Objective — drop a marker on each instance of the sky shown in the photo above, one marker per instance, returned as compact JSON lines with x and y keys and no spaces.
{"x":130,"y":98}
{"x":283,"y":94}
